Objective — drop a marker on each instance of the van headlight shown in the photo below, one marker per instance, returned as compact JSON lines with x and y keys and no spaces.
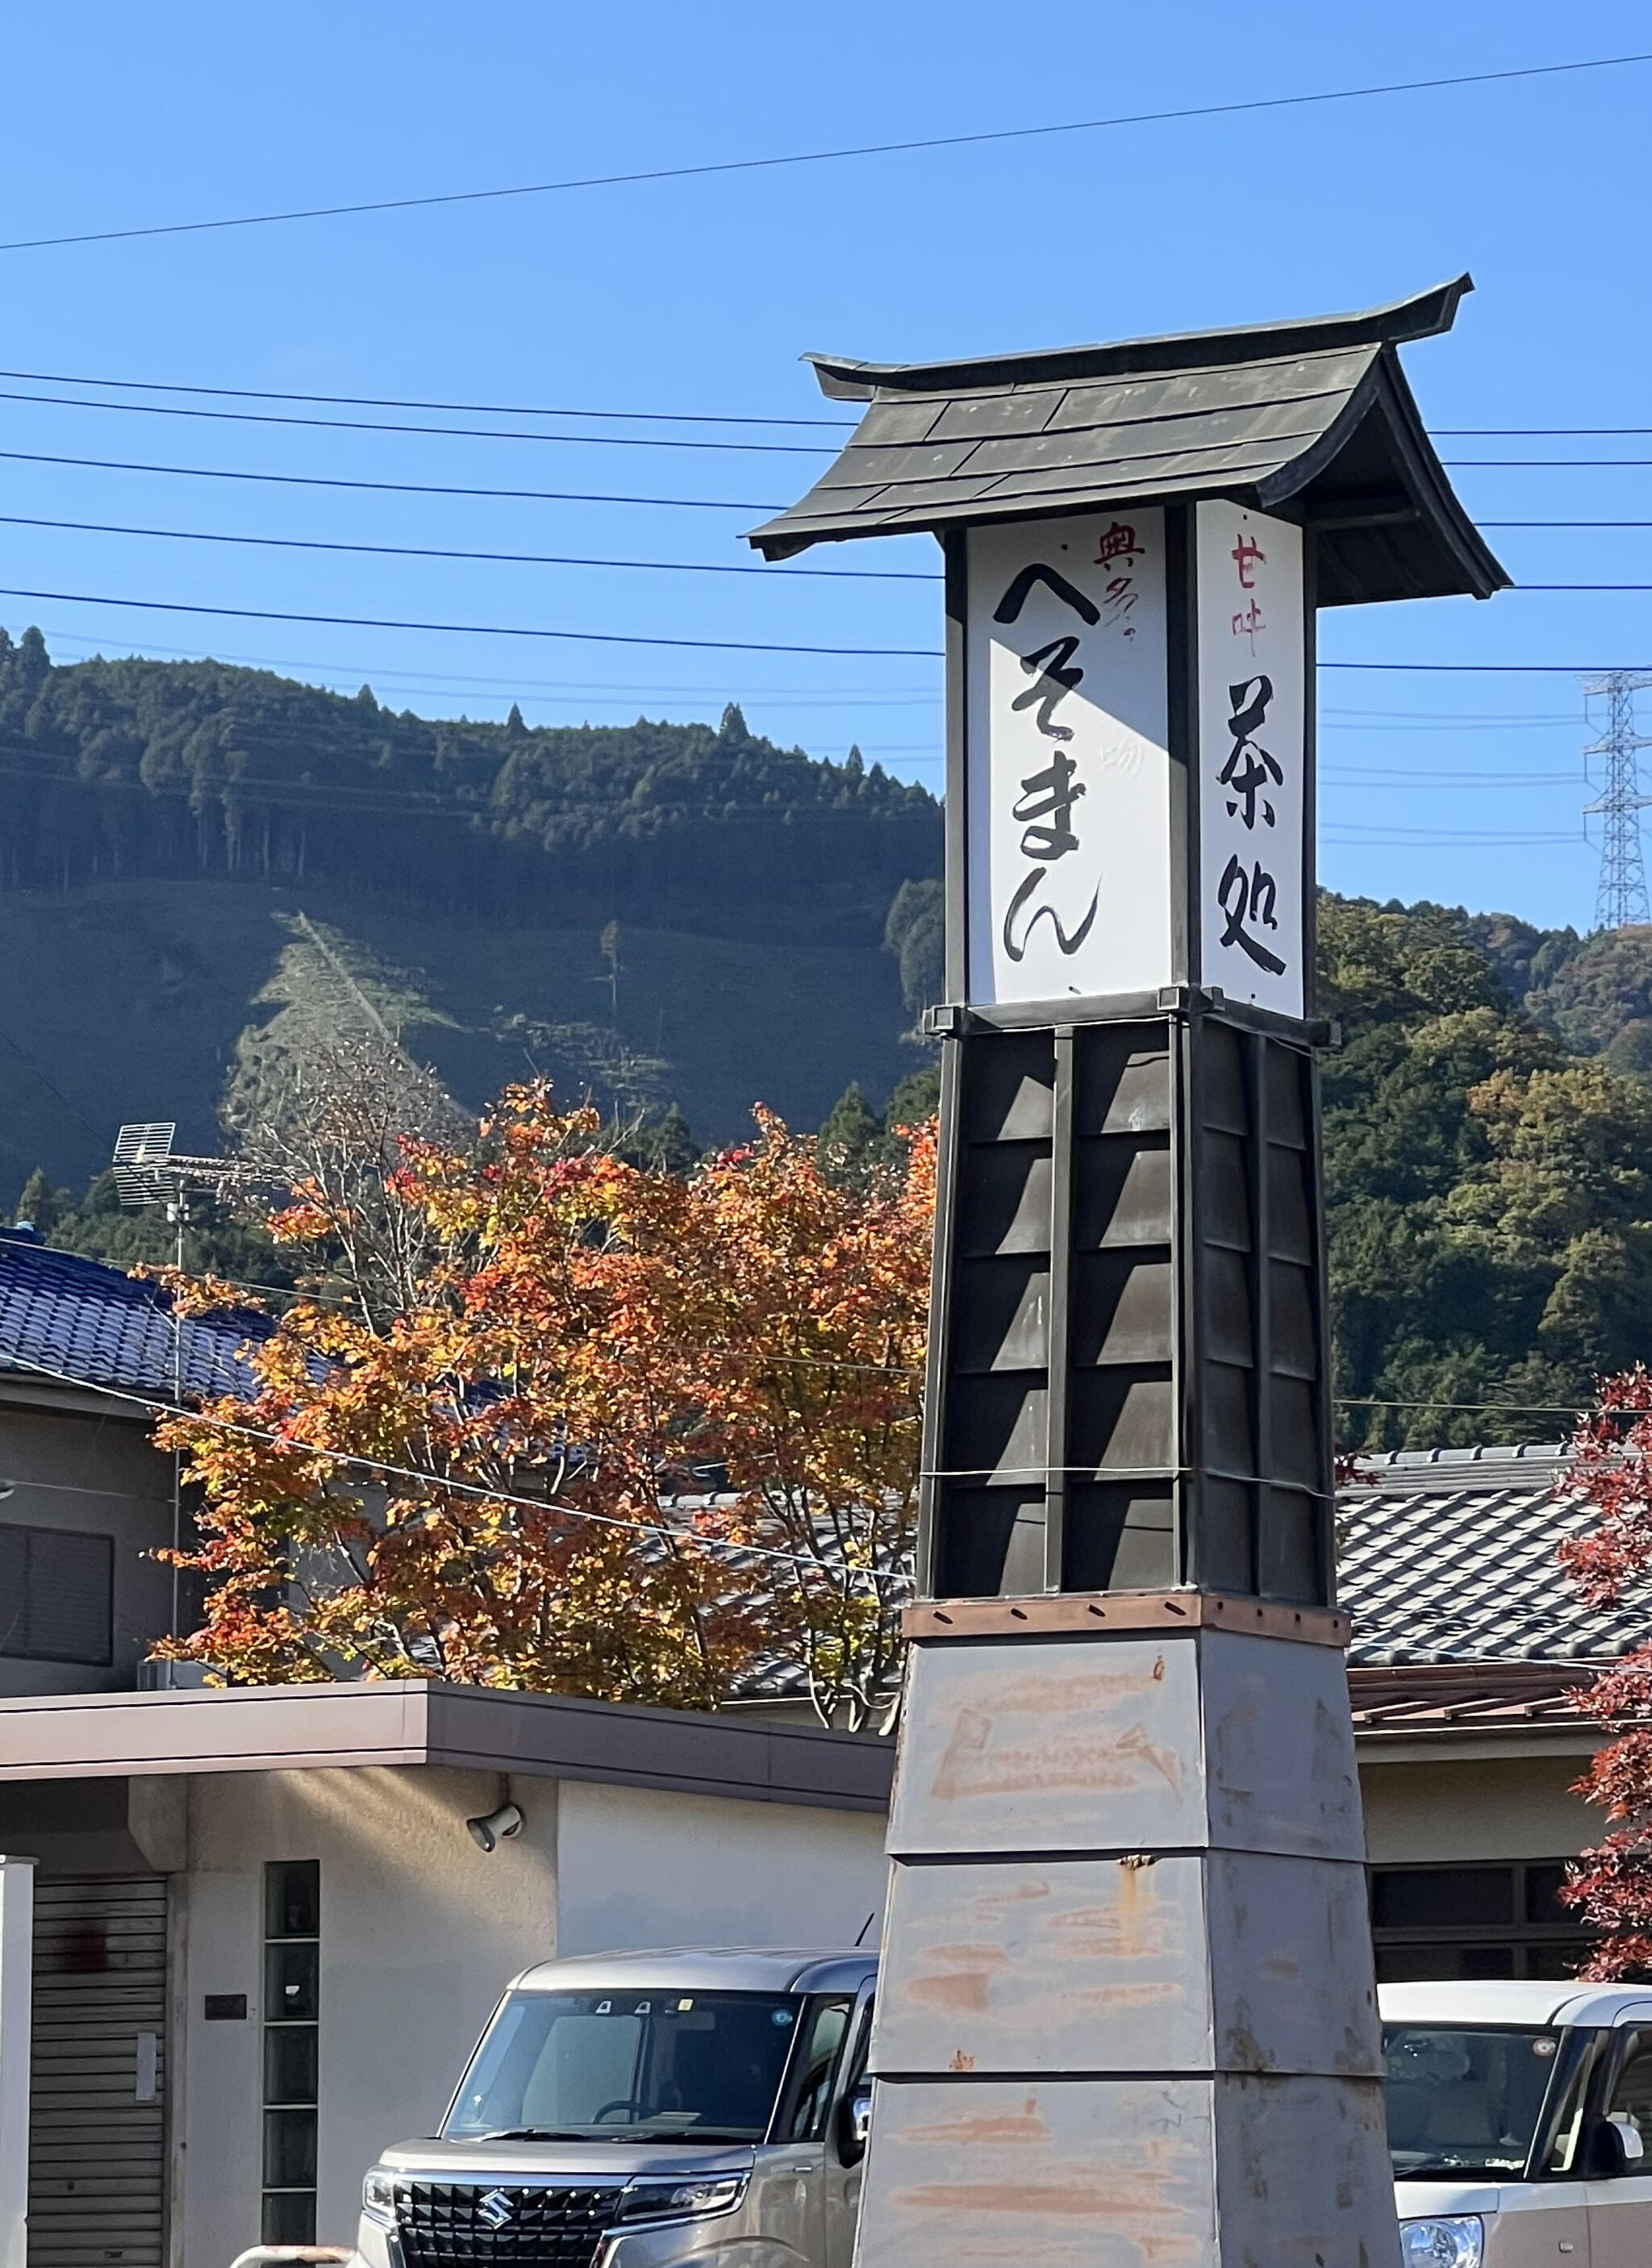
{"x":645,"y":2200}
{"x":1455,"y":2240}
{"x":377,"y":2197}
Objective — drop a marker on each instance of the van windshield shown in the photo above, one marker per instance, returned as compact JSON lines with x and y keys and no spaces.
{"x":627,"y":2067}
{"x":1463,"y":2102}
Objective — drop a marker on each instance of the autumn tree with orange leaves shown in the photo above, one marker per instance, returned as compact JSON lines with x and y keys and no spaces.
{"x":621,"y":1433}
{"x":1611,"y":1888}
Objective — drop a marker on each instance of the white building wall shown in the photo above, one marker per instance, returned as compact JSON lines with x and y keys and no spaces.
{"x":636,"y":1868}
{"x":419,"y":1932}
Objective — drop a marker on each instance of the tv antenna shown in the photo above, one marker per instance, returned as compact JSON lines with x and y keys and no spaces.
{"x":149,"y":1172}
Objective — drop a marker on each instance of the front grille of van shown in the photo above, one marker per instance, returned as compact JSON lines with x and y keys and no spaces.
{"x":440,"y":2224}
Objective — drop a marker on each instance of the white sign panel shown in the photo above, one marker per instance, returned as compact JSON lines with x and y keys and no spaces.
{"x":1252,"y":696}
{"x":1068,"y":820}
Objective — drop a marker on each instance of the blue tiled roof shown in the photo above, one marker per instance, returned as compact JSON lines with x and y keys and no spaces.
{"x":84,"y":1320}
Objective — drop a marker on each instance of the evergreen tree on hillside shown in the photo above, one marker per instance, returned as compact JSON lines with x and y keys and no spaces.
{"x":915,"y":932}
{"x":147,"y":767}
{"x":850,"y":1137}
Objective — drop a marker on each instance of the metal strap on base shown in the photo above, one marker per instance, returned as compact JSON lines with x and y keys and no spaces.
{"x":1067,"y":1613}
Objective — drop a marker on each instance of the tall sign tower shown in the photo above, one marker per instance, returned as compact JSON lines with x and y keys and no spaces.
{"x":1128,"y":2012}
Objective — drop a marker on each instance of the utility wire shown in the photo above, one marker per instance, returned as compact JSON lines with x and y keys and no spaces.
{"x":391,"y":402}
{"x":304,"y":796}
{"x":655,"y":441}
{"x":555,"y":559}
{"x":384,"y":488}
{"x":1248,"y":109}
{"x":441,"y":432}
{"x":713,"y":646}
{"x":664,"y":416}
{"x":1489,"y":668}
{"x":472,"y":629}
{"x":497,"y":558}
{"x":373,"y":1465}
{"x":30,"y":1065}
{"x":535,"y":496}
{"x":1446,"y":432}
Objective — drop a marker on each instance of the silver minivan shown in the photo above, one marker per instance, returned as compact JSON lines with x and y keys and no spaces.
{"x":646,"y":2110}
{"x":697,"y":2109}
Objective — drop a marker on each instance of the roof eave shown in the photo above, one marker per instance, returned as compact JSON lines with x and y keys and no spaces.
{"x":1384,"y":395}
{"x":1424,"y":315}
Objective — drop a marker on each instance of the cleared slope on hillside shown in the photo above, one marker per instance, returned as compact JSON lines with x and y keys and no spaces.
{"x":127,"y":998}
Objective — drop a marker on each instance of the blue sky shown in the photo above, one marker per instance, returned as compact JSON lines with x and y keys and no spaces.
{"x":698,"y":297}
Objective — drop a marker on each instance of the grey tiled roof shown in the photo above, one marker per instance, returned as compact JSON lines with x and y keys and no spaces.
{"x":1318,"y":411}
{"x":1449,"y":1557}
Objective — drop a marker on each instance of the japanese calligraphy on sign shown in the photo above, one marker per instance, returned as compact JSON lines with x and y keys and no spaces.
{"x":1067,"y":823}
{"x":1252,"y":665}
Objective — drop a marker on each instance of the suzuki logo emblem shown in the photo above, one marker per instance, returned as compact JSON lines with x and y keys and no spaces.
{"x":496,"y":2208}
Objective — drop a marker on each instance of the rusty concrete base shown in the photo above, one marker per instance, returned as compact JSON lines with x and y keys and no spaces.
{"x":1127,"y":2016}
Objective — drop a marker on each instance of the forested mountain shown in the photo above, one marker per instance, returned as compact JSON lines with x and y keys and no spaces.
{"x":654,"y":912}
{"x":661,"y":914}
{"x":117,"y":769}
{"x":1490,"y":1187}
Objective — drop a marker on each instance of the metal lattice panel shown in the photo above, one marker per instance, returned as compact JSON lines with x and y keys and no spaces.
{"x":1129,"y":1366}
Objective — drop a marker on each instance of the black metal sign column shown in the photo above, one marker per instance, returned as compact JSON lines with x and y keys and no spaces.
{"x":1127,"y":2009}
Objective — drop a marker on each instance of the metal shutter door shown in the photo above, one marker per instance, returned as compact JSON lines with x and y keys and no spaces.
{"x":97,"y":2152}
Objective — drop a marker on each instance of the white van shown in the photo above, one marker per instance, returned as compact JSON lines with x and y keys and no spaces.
{"x":1520,"y":2121}
{"x":710,"y":2109}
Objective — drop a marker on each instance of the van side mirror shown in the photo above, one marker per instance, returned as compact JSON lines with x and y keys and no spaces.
{"x":854,"y":2124}
{"x":1605,"y":2152}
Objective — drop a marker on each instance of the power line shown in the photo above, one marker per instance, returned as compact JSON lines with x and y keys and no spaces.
{"x":391,"y":402}
{"x":807,"y":696}
{"x":1422,"y":837}
{"x":383,"y":488}
{"x":1480,"y":669}
{"x":674,"y":416}
{"x":1248,"y":109}
{"x":1544,"y":464}
{"x":301,"y":797}
{"x":651,"y":440}
{"x":497,"y":558}
{"x":1446,"y":432}
{"x":555,"y":559}
{"x":538,"y":495}
{"x":441,"y":432}
{"x":1380,"y":779}
{"x":713,"y":646}
{"x":74,"y":1110}
{"x":474,"y":1491}
{"x":471,"y":630}
{"x":1483,"y":1408}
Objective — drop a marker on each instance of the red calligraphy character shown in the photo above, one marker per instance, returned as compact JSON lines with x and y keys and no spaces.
{"x":1246,"y":555}
{"x":1248,"y":622}
{"x":1119,"y":542}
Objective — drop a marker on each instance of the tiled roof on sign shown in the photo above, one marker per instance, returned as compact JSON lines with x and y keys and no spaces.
{"x":1449,"y":1556}
{"x":1314,"y":416}
{"x":64,"y":1319}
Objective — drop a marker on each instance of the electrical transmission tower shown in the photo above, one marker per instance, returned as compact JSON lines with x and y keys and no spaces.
{"x":1622,"y":895}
